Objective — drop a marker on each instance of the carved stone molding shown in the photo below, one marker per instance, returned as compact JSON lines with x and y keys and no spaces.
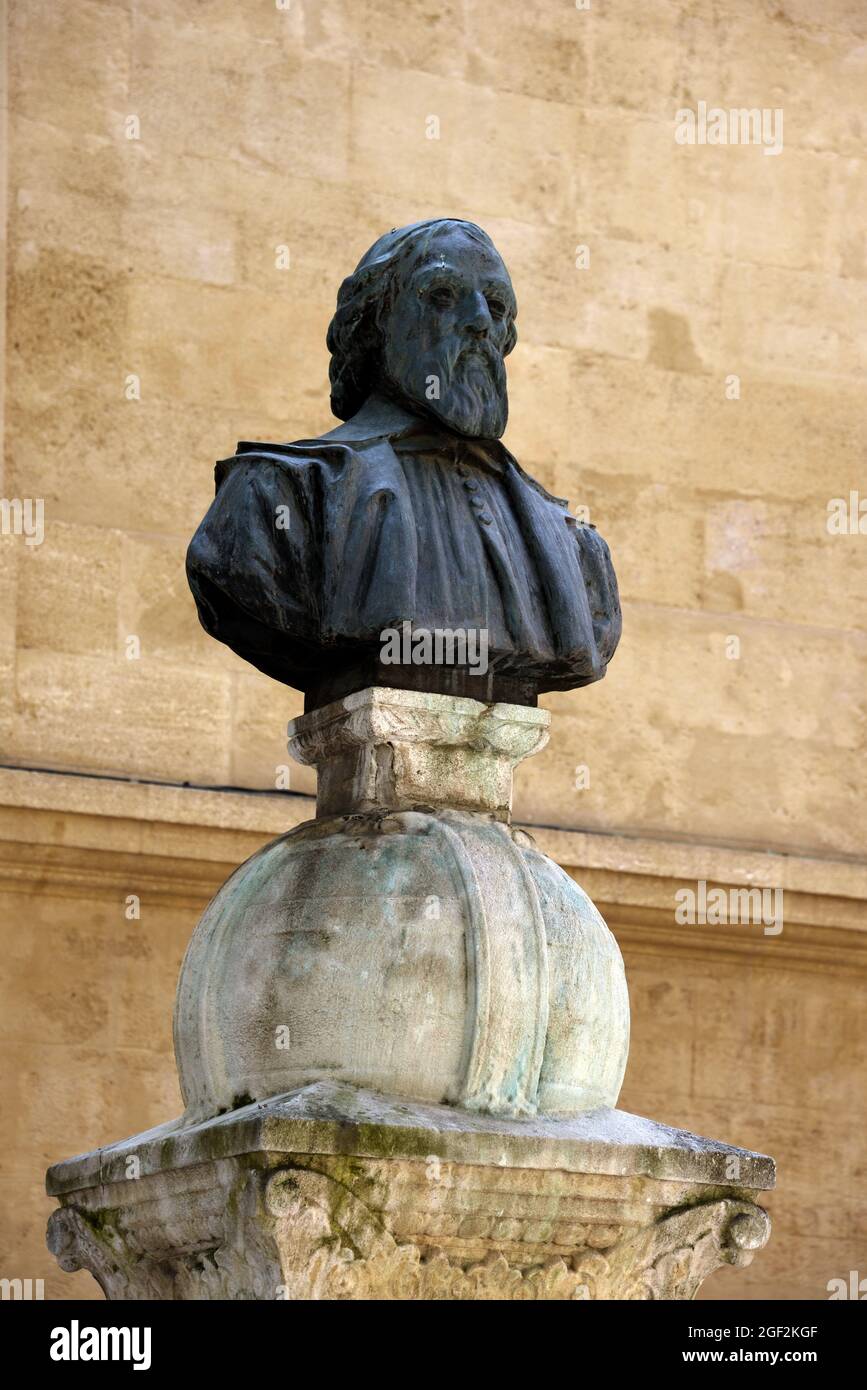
{"x":339,"y":1194}
{"x":332,"y":1246}
{"x":312,"y":1239}
{"x":396,"y":749}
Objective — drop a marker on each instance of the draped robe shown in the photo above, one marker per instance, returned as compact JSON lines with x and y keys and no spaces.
{"x":312,"y":550}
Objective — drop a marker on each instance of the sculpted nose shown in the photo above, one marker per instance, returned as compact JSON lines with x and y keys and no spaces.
{"x":479,"y":320}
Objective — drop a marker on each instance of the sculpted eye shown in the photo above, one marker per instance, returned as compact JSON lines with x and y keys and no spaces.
{"x":441,"y":296}
{"x":496,"y":306}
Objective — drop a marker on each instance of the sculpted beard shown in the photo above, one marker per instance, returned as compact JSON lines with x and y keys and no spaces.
{"x":473,"y":398}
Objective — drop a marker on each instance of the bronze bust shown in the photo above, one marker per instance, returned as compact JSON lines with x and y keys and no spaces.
{"x":411,"y":515}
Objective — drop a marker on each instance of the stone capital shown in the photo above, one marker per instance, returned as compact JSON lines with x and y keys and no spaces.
{"x":397,"y":750}
{"x":334,"y":1192}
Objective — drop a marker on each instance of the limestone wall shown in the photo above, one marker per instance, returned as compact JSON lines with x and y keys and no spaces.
{"x":164,"y":161}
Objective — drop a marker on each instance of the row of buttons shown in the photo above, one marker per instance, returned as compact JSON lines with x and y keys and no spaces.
{"x":477,"y":504}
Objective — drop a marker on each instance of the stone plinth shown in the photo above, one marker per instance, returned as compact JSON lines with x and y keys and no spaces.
{"x":332,"y":1192}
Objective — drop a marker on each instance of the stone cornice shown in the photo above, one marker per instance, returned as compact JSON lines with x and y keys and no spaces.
{"x":84,"y":836}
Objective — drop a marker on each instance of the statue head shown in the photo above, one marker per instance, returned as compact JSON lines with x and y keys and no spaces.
{"x":428,"y":318}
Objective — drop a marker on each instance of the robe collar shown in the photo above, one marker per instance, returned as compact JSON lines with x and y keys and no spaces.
{"x":381,"y":418}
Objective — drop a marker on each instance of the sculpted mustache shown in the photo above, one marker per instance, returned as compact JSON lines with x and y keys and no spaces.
{"x":483,"y":351}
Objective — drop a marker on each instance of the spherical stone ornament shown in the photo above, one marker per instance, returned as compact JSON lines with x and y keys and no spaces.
{"x":436,"y":956}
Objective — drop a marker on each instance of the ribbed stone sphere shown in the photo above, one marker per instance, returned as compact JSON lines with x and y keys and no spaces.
{"x":439,"y":957}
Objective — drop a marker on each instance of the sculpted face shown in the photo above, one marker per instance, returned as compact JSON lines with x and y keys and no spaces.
{"x":446,"y":333}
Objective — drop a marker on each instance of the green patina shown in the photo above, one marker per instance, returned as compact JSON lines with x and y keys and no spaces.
{"x":103,"y":1223}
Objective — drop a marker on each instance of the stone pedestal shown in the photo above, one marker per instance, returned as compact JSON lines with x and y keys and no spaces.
{"x":408,"y":939}
{"x":407,"y":943}
{"x":333,"y":1192}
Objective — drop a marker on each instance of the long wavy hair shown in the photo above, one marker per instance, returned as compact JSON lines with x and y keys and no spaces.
{"x":354,"y":334}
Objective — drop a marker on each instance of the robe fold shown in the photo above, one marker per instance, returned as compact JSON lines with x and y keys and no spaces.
{"x":311,"y":551}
